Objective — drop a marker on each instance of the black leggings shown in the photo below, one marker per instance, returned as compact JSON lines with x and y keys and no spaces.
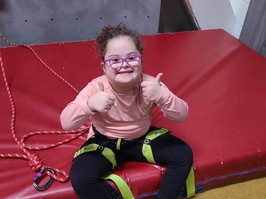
{"x":89,"y":168}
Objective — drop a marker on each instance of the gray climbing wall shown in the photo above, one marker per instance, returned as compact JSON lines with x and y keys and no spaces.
{"x":46,"y":21}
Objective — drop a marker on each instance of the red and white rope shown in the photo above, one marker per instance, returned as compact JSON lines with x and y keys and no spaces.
{"x":34,"y":161}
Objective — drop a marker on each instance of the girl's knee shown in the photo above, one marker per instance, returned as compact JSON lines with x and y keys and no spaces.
{"x":78,"y":180}
{"x":184,"y":156}
{"x":189,"y":152}
{"x":81,"y":178}
{"x":83,"y":184}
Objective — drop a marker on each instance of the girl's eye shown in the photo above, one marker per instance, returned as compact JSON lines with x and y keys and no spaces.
{"x":115,"y":60}
{"x":132,"y":57}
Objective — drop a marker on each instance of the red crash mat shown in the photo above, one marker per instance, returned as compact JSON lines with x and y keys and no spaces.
{"x":222,"y":80}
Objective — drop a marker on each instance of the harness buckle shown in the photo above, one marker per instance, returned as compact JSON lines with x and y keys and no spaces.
{"x":147,"y":141}
{"x":38,"y":178}
{"x":100,"y":148}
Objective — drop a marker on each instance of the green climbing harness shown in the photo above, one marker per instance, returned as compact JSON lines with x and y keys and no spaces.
{"x":147,"y":153}
{"x":106,"y":152}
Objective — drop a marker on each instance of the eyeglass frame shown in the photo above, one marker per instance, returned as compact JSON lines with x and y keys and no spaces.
{"x":124,"y":59}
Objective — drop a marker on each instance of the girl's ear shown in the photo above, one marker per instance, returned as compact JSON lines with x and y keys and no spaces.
{"x":103,"y":66}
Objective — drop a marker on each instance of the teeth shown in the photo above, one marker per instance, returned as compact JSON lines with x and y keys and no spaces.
{"x":126,"y":72}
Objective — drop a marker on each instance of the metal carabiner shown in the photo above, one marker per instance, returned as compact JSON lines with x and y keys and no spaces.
{"x":38,"y":177}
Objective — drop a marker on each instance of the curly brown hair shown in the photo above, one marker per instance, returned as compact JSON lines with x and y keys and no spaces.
{"x":110,"y":32}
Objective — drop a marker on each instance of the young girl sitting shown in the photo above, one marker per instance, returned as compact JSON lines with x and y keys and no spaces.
{"x":119,"y":105}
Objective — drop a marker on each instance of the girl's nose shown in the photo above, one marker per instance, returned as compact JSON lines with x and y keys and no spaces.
{"x":125,"y":64}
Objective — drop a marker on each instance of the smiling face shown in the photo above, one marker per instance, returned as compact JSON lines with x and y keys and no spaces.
{"x":126,"y":77}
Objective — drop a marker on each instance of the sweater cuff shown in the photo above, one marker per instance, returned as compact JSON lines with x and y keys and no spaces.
{"x":85,"y":108}
{"x":165,"y":92}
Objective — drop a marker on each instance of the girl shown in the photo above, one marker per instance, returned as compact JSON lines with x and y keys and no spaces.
{"x":119,"y":105}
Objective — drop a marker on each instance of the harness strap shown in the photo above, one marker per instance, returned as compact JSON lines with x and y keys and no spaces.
{"x":126,"y":192}
{"x":190,"y":183}
{"x":147,"y":153}
{"x":121,"y":185}
{"x":118,"y":143}
{"x":146,"y":148}
{"x":106,"y":152}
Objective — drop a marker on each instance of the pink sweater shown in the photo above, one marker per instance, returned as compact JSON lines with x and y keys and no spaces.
{"x":130,"y":118}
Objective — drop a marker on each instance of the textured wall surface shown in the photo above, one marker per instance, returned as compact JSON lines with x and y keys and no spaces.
{"x":45,"y":21}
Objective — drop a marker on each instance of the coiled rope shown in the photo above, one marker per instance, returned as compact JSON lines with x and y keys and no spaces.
{"x":34,"y":160}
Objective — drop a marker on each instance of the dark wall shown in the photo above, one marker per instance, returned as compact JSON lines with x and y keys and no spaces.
{"x":175,"y":17}
{"x":254,"y":29}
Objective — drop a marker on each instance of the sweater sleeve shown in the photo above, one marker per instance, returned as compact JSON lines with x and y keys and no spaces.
{"x":173,"y":107}
{"x":77,"y":112}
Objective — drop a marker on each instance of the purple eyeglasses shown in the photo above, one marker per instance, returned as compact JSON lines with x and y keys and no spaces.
{"x":117,"y":62}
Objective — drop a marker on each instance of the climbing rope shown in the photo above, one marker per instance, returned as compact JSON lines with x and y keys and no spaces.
{"x":34,"y":160}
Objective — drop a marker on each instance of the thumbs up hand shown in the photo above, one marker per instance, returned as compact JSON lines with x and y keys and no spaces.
{"x":152,"y":89}
{"x":101,"y":101}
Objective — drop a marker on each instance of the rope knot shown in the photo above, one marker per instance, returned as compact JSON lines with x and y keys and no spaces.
{"x":35,"y":162}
